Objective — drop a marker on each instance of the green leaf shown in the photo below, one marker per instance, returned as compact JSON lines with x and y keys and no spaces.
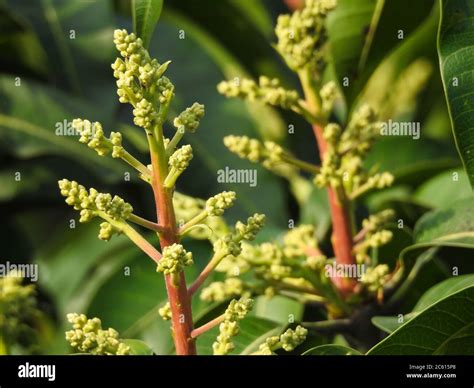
{"x":34,"y":121}
{"x":253,"y":332}
{"x":456,"y":51}
{"x":138,"y":348}
{"x":145,"y":16}
{"x":77,"y":38}
{"x":370,"y":33}
{"x":444,"y":188}
{"x":451,"y":226}
{"x":332,"y":350}
{"x":390,"y":324}
{"x":445,"y":328}
{"x":444,"y":289}
{"x":279,"y":309}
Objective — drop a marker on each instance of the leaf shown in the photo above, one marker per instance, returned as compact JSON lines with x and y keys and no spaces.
{"x":456,"y":51}
{"x":332,"y":350}
{"x":34,"y":121}
{"x":370,"y":33}
{"x":445,"y":328}
{"x":278,"y":309}
{"x":145,"y":16}
{"x":390,"y":324}
{"x":444,"y":188}
{"x":137,"y":347}
{"x":253,"y":332}
{"x":77,"y":38}
{"x":451,"y":226}
{"x":444,"y":289}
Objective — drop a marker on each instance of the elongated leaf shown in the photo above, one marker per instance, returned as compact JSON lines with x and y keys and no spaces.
{"x":445,"y":328}
{"x":456,"y":51}
{"x":444,"y":289}
{"x":145,"y":16}
{"x":331,"y":350}
{"x":77,"y":38}
{"x":371,"y":31}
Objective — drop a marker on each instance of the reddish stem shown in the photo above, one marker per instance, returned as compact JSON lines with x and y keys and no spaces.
{"x":342,"y":239}
{"x":180,"y":303}
{"x":207,"y":326}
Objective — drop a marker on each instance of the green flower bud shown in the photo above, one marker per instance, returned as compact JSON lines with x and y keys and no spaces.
{"x":236,"y":311}
{"x":180,"y":158}
{"x":376,"y":277}
{"x":298,"y":240}
{"x":290,"y":339}
{"x":189,"y":119}
{"x":91,"y":203}
{"x":301,"y":36}
{"x":268,"y":91}
{"x":254,"y":225}
{"x":220,"y":291}
{"x":174,"y":259}
{"x":165,"y":311}
{"x":87,"y":336}
{"x":216,"y":205}
{"x":19,"y":313}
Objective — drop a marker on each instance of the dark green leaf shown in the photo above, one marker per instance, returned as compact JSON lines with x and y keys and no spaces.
{"x":445,"y":328}
{"x":145,"y":16}
{"x":456,"y":51}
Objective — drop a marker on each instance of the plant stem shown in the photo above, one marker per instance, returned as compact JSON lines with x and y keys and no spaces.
{"x":341,"y":239}
{"x":144,"y":222}
{"x":134,"y":236}
{"x":135,"y":163}
{"x":179,"y":299}
{"x":205,"y":273}
{"x":207,"y":326}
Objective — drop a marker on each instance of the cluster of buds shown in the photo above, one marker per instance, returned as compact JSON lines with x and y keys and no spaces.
{"x":287,"y":341}
{"x":174,"y":259}
{"x":138,"y":76}
{"x":91,"y":203}
{"x":268,"y":91}
{"x":342,"y":166}
{"x":18,"y":311}
{"x":93,"y":135}
{"x":268,"y":153}
{"x":216,"y":205}
{"x":87,"y":336}
{"x":231,"y":243}
{"x":376,"y":277}
{"x":189,"y":119}
{"x":302,"y":35}
{"x":220,"y":291}
{"x":236,"y":311}
{"x":373,"y":234}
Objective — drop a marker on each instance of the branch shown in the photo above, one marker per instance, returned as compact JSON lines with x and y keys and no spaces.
{"x":207,"y":326}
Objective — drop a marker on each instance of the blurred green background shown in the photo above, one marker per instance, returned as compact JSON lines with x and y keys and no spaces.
{"x":55,"y":66}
